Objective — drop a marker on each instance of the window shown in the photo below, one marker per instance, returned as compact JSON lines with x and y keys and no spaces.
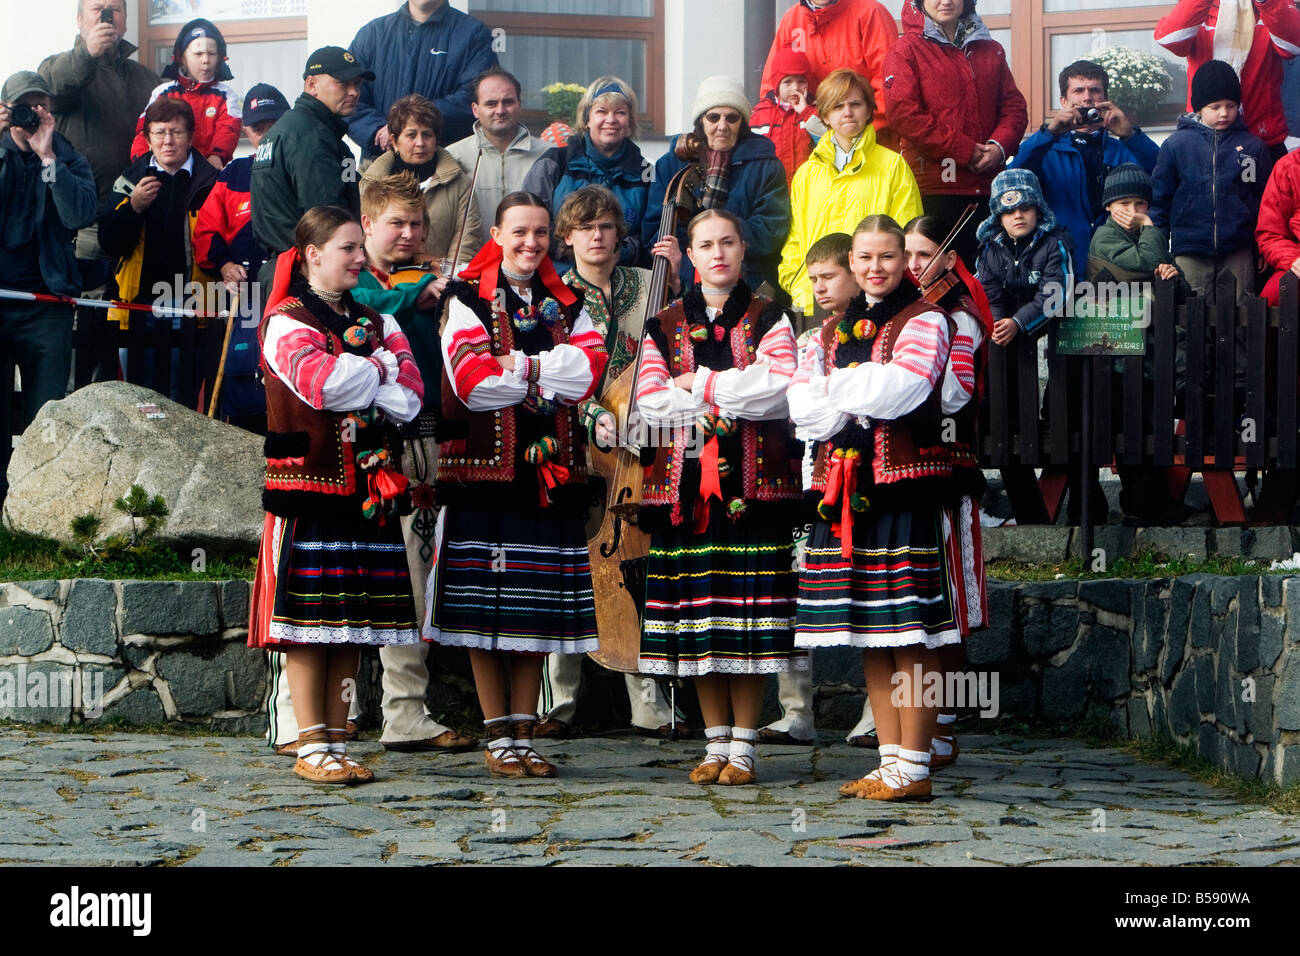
{"x":574,"y":41}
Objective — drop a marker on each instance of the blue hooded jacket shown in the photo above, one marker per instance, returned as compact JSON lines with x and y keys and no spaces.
{"x":438,"y":59}
{"x":1207,"y":186}
{"x":1021,"y":277}
{"x":759,"y":196}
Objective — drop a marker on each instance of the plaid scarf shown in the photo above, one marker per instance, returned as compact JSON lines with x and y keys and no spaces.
{"x":717,"y":178}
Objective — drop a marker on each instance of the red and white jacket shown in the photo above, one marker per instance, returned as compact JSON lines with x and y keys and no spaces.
{"x":217,"y":117}
{"x":1188,"y":30}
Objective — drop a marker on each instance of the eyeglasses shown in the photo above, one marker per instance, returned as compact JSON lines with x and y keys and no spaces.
{"x":731,"y":119}
{"x":165,"y":134}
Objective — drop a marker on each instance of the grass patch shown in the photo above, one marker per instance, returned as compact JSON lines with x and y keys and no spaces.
{"x":1143,"y":564}
{"x":28,"y":557}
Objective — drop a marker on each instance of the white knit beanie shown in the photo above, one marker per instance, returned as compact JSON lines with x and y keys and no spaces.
{"x":720,"y":91}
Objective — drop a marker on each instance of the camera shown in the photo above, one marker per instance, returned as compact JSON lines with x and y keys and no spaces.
{"x":1088,"y":115}
{"x":106,"y":15}
{"x":24,"y":117}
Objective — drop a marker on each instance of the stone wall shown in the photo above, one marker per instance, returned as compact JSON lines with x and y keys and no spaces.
{"x":1207,"y":660}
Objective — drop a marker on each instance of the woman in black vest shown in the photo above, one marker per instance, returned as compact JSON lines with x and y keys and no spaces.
{"x":721,"y":497}
{"x":513,"y":582}
{"x":332,"y":573}
{"x":876,"y":574}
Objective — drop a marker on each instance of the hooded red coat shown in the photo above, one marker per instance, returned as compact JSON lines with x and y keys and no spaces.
{"x":944,"y":100}
{"x":850,"y":34}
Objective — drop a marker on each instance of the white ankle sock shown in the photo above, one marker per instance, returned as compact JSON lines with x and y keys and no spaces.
{"x":741,"y":751}
{"x":888,"y":757}
{"x":911,"y":766}
{"x":718,"y":749}
{"x":941,"y":742}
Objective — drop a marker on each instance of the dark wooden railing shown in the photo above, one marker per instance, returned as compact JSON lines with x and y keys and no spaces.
{"x":1210,"y":425}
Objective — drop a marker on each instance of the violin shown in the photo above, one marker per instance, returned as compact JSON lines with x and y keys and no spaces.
{"x":937,"y":287}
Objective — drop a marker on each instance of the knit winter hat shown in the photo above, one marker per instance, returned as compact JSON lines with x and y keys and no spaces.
{"x":195,"y":30}
{"x":721,"y":91}
{"x":1214,"y":81}
{"x":1127,"y":181}
{"x":1015,"y":189}
{"x":788,"y":62}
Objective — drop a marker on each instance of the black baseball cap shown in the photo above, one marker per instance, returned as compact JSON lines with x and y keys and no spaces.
{"x":336,"y":62}
{"x":264,"y":102}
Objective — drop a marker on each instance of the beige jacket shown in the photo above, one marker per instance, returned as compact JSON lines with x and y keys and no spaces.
{"x":447,"y":201}
{"x":498,"y":173}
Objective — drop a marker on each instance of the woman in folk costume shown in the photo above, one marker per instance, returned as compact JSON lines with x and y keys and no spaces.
{"x":721,"y":497}
{"x":591,"y":225}
{"x":513,"y":581}
{"x":331,"y":573}
{"x":961,"y":391}
{"x":876,"y":574}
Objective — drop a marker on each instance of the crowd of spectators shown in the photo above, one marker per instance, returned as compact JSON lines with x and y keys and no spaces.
{"x":852,"y":120}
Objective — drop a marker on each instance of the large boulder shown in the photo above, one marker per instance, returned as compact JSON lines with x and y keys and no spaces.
{"x":84,"y":452}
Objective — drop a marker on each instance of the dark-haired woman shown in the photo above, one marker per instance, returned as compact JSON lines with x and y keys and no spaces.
{"x":722,"y":496}
{"x":453,"y":227}
{"x":741,"y":174}
{"x":876,"y":572}
{"x":513,"y":582}
{"x":332,"y":572}
{"x":961,"y":390}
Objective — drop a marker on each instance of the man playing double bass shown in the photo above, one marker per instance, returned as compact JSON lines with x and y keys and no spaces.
{"x":590,"y":221}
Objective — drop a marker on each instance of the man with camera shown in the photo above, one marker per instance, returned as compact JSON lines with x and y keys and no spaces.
{"x":1074,"y":150}
{"x":47,"y":193}
{"x":97,"y":91}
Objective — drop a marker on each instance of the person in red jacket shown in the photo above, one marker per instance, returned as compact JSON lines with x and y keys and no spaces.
{"x":955,"y":107}
{"x":224,"y":245}
{"x":197,"y":75}
{"x":1254,"y":38}
{"x":833,"y":35}
{"x":787,"y":115}
{"x":1278,"y":230}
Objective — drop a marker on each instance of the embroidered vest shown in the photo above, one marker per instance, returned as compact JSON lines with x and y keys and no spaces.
{"x":486,"y":446}
{"x":765,"y":451}
{"x":906,"y":448}
{"x":311,"y":453}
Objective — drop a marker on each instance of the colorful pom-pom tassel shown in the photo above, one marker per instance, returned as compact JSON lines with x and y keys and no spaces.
{"x":858,"y":502}
{"x":724,"y":468}
{"x":864,"y":329}
{"x":825,"y":512}
{"x":355,"y":336}
{"x":736,"y":508}
{"x":725,"y":427}
{"x":707,"y":424}
{"x":550,"y":312}
{"x":699,"y":333}
{"x":369,"y":508}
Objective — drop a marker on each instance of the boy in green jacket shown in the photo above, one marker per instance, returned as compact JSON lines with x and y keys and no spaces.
{"x":1128,"y":247}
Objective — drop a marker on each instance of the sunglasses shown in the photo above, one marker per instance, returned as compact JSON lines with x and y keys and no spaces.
{"x":731,"y":119}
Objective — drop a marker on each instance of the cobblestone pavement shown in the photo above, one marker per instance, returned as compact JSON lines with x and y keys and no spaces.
{"x":146,"y":799}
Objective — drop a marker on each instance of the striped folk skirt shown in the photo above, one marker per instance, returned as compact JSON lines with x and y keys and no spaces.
{"x":721,"y":602}
{"x":322,"y":583}
{"x":896,"y":591}
{"x":512,"y":582}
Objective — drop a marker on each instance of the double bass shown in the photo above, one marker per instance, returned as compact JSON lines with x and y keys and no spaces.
{"x":618,"y":548}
